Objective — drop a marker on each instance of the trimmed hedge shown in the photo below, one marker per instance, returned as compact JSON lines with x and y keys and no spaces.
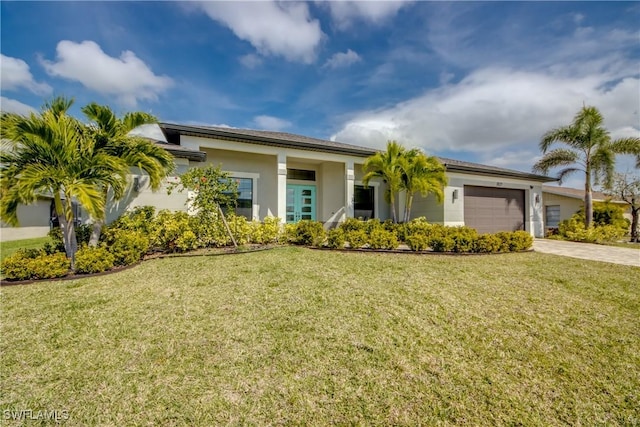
{"x":34,"y":264}
{"x":91,"y":260}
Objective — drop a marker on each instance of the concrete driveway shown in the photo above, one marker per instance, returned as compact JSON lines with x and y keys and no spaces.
{"x":589,"y":251}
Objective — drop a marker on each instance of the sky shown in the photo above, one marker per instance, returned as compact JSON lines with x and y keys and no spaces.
{"x":473,"y":81}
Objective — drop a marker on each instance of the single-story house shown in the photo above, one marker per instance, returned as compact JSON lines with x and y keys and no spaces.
{"x":295,"y":177}
{"x":561,"y":203}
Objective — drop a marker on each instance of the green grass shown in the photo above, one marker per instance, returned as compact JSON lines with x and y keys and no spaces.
{"x":301,"y":337}
{"x":9,"y":248}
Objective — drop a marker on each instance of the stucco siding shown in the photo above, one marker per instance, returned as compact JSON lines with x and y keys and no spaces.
{"x":34,"y":222}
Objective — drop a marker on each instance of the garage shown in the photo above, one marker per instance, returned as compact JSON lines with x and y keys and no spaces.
{"x":490,"y":210}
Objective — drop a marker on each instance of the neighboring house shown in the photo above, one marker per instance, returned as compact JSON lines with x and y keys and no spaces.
{"x":295,"y":177}
{"x":561,"y":203}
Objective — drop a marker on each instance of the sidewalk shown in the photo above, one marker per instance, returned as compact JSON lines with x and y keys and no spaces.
{"x":589,"y":251}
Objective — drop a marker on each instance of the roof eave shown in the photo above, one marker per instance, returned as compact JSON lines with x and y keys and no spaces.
{"x":479,"y":171}
{"x":261,"y":140}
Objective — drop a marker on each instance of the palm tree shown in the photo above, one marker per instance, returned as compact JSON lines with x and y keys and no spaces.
{"x":423,"y":174}
{"x":386,"y":165}
{"x":49,"y":153}
{"x":589,"y":150}
{"x":112,"y":136}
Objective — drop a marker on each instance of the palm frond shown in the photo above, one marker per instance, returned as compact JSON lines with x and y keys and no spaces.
{"x":556,"y":158}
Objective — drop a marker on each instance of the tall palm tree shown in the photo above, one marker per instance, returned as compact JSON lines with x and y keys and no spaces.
{"x":386,"y":165}
{"x":589,"y":150}
{"x":423,"y":174}
{"x":112,"y":136}
{"x":49,"y":153}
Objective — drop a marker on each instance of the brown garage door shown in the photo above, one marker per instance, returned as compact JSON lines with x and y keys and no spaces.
{"x":489,"y":210}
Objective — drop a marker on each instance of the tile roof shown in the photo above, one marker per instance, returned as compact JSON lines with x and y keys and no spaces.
{"x":289,"y":140}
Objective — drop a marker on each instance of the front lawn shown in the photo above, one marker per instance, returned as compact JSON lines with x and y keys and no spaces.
{"x":9,"y":248}
{"x":306,"y":337}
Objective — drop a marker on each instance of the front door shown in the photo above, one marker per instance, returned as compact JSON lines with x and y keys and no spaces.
{"x":301,"y":202}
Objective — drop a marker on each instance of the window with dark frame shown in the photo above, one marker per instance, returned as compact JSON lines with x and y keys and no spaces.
{"x":301,"y":174}
{"x":363,"y":202}
{"x":244,"y":199}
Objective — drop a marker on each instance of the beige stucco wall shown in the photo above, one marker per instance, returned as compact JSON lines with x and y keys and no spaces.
{"x":568,"y":205}
{"x":34,"y":222}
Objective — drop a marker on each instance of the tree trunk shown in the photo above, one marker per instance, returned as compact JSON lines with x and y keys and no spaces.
{"x":98,"y":223}
{"x":96,"y":231}
{"x":407,"y":208}
{"x":393,"y":208}
{"x":634,"y":223}
{"x":65,"y":217}
{"x":588,"y":203}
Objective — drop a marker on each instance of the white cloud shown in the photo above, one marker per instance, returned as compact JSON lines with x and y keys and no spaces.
{"x":271,"y":123}
{"x":127,"y":77}
{"x":15,"y":74}
{"x":8,"y":105}
{"x":274,"y":28}
{"x":342,"y":59}
{"x":493,"y":111}
{"x":250,"y":60}
{"x":344,"y":13}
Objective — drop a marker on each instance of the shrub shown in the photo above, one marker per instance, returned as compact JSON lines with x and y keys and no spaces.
{"x":288,"y":234}
{"x":309,"y":233}
{"x":356,"y":238}
{"x":488,"y":243}
{"x":352,"y":224}
{"x":383,"y":239}
{"x":464,"y":238}
{"x":336,"y":238}
{"x":372,"y":225}
{"x":240,"y":228}
{"x":35,"y":264}
{"x":93,"y":260}
{"x":138,"y":219}
{"x":417,"y":242}
{"x":574,"y":229}
{"x":398,"y":229}
{"x":520,"y":241}
{"x":209,"y":230}
{"x":173,"y":232}
{"x":418,"y":226}
{"x":126,"y":246}
{"x":266,"y":231}
{"x":56,"y":244}
{"x":442,"y":243}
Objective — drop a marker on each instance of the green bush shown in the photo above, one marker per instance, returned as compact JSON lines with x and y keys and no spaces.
{"x":240,"y":228}
{"x":209,"y":230}
{"x":356,"y":238}
{"x":93,"y":260}
{"x":418,"y":226}
{"x":398,"y":229}
{"x":417,"y":242}
{"x":352,"y":224}
{"x":266,"y":231}
{"x":442,"y":243}
{"x":56,"y":244}
{"x":288,"y":234}
{"x":488,"y":243}
{"x":520,"y":241}
{"x":383,"y":239}
{"x":141,"y":218}
{"x":35,"y":264}
{"x":126,"y":246}
{"x":336,"y":238}
{"x":372,"y":225}
{"x":464,"y":239}
{"x":309,"y":233}
{"x":172,"y":232}
{"x":573,"y":229}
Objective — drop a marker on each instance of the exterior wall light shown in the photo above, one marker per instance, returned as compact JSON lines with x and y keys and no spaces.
{"x":455,"y":195}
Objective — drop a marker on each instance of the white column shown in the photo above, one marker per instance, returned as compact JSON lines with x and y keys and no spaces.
{"x":282,"y":187}
{"x":349,"y":190}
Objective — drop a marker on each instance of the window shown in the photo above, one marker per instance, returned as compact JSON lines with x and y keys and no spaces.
{"x":363,"y":202}
{"x":301,"y":174}
{"x":552,"y":214}
{"x":244,"y":202}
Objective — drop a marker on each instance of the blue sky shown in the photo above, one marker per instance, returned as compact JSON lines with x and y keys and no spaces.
{"x":476,"y":81}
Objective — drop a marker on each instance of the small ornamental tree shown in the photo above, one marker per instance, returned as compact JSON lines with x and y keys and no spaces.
{"x":212,"y":191}
{"x":626,"y":187}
